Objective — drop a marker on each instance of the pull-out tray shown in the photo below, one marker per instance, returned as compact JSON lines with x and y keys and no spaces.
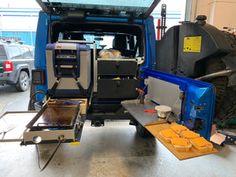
{"x":56,"y":119}
{"x":55,"y":116}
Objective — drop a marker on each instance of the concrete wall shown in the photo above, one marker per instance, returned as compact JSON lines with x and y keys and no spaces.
{"x":18,"y":23}
{"x":220,"y":13}
{"x":18,"y":20}
{"x":18,"y":4}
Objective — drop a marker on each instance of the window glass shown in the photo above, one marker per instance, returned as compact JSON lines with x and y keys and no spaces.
{"x":31,"y":51}
{"x":108,"y":7}
{"x":2,"y":53}
{"x":175,"y":12}
{"x":26,"y":52}
{"x":14,"y":52}
{"x":103,"y":3}
{"x":124,"y":43}
{"x":103,"y":42}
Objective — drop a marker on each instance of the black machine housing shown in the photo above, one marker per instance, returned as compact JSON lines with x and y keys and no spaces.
{"x":172,"y":58}
{"x":199,"y":50}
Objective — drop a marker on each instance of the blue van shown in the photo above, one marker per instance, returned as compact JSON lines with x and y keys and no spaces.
{"x":117,"y":50}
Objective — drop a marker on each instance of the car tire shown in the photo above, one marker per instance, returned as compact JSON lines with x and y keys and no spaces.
{"x":220,"y":83}
{"x":143,"y":132}
{"x":23,"y":82}
{"x":228,"y":108}
{"x":225,"y":108}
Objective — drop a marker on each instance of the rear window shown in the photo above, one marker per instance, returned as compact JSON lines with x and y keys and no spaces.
{"x":119,"y":8}
{"x":2,"y":53}
{"x":103,"y":3}
{"x":14,"y":52}
{"x":26,"y":52}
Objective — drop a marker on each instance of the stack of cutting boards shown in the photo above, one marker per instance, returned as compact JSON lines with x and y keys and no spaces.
{"x":183,"y":143}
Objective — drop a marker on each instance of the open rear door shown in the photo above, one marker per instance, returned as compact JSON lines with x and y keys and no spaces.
{"x":117,"y":8}
{"x":192,"y":103}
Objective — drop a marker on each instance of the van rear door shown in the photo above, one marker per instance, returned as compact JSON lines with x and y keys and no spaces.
{"x":111,"y":8}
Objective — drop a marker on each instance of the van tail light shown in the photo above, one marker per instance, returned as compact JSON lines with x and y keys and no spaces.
{"x":8,"y":65}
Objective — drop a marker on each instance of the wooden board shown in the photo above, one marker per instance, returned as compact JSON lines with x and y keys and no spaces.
{"x":156,"y":128}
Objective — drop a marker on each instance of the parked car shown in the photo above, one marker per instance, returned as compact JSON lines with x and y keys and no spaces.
{"x":16,"y":63}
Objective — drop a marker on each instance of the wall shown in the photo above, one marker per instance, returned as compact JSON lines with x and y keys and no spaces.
{"x":27,"y":37}
{"x":175,"y":12}
{"x":18,"y":19}
{"x":220,"y":13}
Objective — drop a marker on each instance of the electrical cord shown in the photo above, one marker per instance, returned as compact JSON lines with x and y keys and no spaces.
{"x":60,"y":140}
{"x":32,"y":97}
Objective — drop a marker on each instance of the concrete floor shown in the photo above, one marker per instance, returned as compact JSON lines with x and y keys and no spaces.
{"x":113,"y":151}
{"x":12,"y":100}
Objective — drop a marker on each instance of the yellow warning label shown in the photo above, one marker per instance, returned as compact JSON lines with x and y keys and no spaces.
{"x":192,"y":44}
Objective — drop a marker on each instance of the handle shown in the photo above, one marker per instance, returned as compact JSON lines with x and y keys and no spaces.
{"x":117,"y":65}
{"x":118,"y":83}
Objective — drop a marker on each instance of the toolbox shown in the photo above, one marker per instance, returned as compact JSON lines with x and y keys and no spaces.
{"x":117,"y":78}
{"x":117,"y":88}
{"x":117,"y":67}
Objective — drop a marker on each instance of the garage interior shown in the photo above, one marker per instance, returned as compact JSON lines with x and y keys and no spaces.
{"x":116,"y":149}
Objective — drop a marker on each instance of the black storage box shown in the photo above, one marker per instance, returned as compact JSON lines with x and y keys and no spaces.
{"x":122,"y":88}
{"x":117,"y":67}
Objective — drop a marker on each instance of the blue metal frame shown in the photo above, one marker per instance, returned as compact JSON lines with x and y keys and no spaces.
{"x":196,"y":94}
{"x":150,"y":44}
{"x":40,"y":50}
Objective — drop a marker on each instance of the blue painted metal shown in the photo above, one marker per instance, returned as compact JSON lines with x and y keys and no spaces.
{"x":40,"y":49}
{"x":150,"y":42}
{"x":197,"y":94}
{"x":113,"y":20}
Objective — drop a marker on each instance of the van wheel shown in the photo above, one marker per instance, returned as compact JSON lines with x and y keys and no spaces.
{"x":23,"y":82}
{"x":143,"y":132}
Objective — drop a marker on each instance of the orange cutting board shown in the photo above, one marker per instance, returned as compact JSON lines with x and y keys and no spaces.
{"x":154,"y":129}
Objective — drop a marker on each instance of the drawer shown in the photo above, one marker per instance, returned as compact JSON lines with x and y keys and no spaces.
{"x":123,"y":89}
{"x":117,"y":68}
